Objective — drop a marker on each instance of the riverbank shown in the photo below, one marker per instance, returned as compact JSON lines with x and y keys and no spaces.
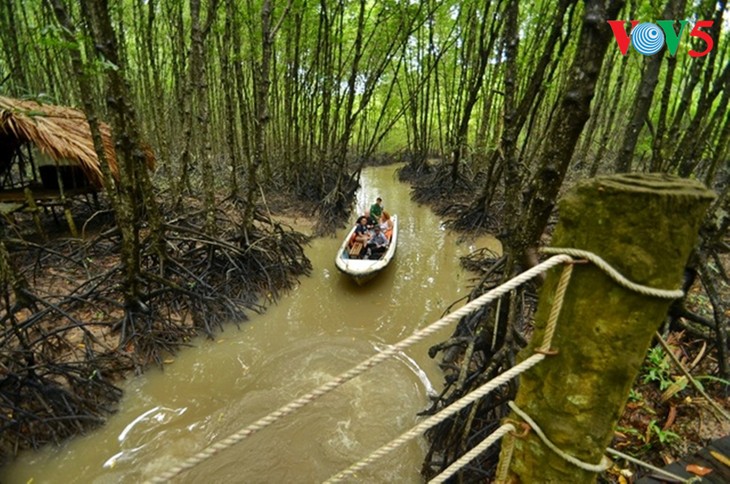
{"x":320,"y":328}
{"x":69,"y":340}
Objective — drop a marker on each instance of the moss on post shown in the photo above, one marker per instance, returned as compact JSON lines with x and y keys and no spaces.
{"x":645,"y":226}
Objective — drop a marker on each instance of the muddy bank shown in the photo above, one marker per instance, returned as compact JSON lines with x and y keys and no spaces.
{"x":67,"y":338}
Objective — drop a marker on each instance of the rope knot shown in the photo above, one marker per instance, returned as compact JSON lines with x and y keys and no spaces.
{"x":525,"y":428}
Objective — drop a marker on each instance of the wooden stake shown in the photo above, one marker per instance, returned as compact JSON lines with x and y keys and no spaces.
{"x":645,"y":226}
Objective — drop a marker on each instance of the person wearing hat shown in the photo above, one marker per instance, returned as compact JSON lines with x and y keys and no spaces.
{"x":377,"y":244}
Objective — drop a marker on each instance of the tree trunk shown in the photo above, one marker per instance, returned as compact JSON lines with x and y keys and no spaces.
{"x":262,"y":82}
{"x":136,"y":193}
{"x":567,"y":124}
{"x":657,"y":157}
{"x":645,"y":94}
{"x":609,"y":123}
{"x":473,"y":86}
{"x":577,"y":395}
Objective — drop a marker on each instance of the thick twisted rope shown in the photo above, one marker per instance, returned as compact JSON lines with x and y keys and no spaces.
{"x":614,"y":274}
{"x":552,"y":321}
{"x":473,"y":396}
{"x":447,"y":412}
{"x":473,"y":453}
{"x":371,"y":362}
{"x":505,"y":459}
{"x":605,"y":461}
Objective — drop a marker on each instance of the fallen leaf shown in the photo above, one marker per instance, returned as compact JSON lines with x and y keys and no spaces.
{"x":674,"y":388}
{"x":698,"y":470}
{"x":670,"y":418}
{"x":622,"y":480}
{"x":721,"y":457}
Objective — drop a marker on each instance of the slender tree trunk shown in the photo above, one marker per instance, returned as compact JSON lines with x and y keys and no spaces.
{"x":473,"y":88}
{"x":513,"y":124}
{"x":645,"y":95}
{"x":262,"y":83}
{"x":11,"y":44}
{"x":230,"y":99}
{"x":657,"y":158}
{"x":687,"y":153}
{"x":135,"y":186}
{"x":695,"y":74}
{"x":512,"y":172}
{"x":568,"y":123}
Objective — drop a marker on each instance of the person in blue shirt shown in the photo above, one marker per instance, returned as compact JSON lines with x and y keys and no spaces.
{"x":377,"y":245}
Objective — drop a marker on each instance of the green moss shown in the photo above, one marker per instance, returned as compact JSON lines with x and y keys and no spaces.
{"x":645,"y":226}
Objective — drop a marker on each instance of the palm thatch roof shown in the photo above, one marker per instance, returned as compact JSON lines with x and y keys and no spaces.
{"x":60,"y":132}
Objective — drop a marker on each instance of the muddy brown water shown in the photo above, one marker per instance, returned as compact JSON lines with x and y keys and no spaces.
{"x":322,"y":328}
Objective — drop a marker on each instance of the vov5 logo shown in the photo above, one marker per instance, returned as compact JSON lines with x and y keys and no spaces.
{"x":648,"y":38}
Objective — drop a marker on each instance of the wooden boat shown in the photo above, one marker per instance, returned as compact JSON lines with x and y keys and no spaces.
{"x":362,"y":270}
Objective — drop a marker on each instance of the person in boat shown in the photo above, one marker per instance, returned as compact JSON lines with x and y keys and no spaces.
{"x":376,"y":210}
{"x":361,"y":234}
{"x":386,"y":224}
{"x":377,"y":245}
{"x":360,"y":237}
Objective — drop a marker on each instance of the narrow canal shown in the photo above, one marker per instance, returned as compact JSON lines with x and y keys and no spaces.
{"x":322,"y":328}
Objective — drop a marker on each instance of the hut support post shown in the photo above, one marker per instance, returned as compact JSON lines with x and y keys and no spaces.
{"x":65,"y":204}
{"x":645,"y":226}
{"x":34,"y":211}
{"x":33,"y":168}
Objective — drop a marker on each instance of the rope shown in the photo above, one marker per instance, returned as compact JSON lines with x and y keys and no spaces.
{"x":447,"y":412}
{"x":508,"y":448}
{"x":371,"y":362}
{"x":556,"y":307}
{"x":474,"y":395}
{"x":564,"y":256}
{"x":614,"y":274}
{"x":655,"y":469}
{"x":473,"y":453}
{"x":605,"y":461}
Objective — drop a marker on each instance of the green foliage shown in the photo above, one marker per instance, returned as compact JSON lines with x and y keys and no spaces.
{"x":54,"y":37}
{"x":656,"y":368}
{"x":417,"y":62}
{"x":711,"y":378}
{"x":635,"y":396}
{"x":664,"y":436}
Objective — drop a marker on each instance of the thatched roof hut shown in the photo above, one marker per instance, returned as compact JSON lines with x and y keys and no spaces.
{"x":61,"y":133}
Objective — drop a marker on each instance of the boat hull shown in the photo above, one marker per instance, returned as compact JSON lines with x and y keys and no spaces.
{"x":364,"y":270}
